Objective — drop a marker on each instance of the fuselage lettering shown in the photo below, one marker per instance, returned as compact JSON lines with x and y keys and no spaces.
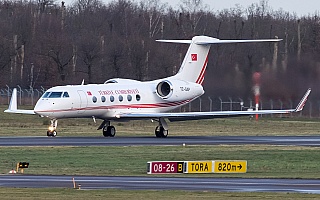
{"x":113,"y":92}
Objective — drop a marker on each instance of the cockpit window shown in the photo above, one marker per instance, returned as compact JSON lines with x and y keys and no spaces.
{"x":110,"y":81}
{"x":46,"y":95}
{"x":65,"y":95}
{"x":55,"y":95}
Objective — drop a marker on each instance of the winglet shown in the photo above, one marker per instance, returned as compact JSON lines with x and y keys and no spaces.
{"x":13,"y":101}
{"x":303,"y":101}
{"x":13,"y":106}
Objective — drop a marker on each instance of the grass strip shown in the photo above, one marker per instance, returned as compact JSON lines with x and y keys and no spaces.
{"x":72,"y":194}
{"x":263,"y":161}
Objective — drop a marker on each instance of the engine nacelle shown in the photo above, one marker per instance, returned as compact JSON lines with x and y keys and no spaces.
{"x":178,"y":90}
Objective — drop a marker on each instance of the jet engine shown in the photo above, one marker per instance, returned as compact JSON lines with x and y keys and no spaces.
{"x":164,"y":89}
{"x":178,"y":90}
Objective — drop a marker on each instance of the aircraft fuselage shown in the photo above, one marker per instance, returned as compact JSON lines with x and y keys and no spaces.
{"x":105,"y":101}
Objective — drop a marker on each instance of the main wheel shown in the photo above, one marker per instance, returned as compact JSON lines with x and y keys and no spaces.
{"x":160,"y":132}
{"x":105,"y":132}
{"x":163,"y":133}
{"x":157,"y":132}
{"x":111,"y":131}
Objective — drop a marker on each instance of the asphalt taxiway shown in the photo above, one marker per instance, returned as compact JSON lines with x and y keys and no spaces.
{"x":163,"y":183}
{"x":174,"y":140}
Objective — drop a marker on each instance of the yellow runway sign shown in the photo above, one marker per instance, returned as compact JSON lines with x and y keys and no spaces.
{"x":230,"y":166}
{"x":199,"y":166}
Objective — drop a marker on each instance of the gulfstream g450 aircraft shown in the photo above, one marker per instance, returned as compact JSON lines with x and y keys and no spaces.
{"x":125,"y":99}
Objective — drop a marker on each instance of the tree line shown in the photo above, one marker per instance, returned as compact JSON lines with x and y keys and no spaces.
{"x":47,"y":43}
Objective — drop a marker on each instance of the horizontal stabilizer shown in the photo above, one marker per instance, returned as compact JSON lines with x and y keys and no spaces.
{"x":176,"y":41}
{"x":205,"y":40}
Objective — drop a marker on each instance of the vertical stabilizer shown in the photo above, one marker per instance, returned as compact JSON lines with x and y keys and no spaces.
{"x":195,"y":61}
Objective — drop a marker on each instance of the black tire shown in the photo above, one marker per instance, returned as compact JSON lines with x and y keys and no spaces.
{"x":160,"y":132}
{"x":163,"y":133}
{"x":111,"y":131}
{"x":52,"y":134}
{"x":157,"y":132}
{"x":105,"y":133}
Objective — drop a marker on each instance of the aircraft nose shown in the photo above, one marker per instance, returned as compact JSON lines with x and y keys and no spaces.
{"x":40,"y":107}
{"x":37,"y":108}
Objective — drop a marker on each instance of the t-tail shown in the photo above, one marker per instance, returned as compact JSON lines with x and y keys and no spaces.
{"x":195,"y":62}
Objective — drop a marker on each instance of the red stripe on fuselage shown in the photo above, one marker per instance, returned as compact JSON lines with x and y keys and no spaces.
{"x":203,"y":70}
{"x":158,"y":105}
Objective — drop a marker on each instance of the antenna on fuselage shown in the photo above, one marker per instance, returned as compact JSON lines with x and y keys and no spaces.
{"x":82,"y":83}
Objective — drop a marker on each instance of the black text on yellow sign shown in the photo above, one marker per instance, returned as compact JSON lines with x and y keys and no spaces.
{"x":230,"y":166}
{"x":199,"y":167}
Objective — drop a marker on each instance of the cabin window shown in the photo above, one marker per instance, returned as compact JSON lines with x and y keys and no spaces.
{"x":129,"y":97}
{"x":94,"y":99}
{"x":55,"y":95}
{"x":112,"y":98}
{"x":138,"y":97}
{"x":120,"y":98}
{"x":103,"y":99}
{"x":65,"y":95}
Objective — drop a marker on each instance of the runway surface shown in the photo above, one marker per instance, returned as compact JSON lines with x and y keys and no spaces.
{"x":175,"y":140}
{"x":163,"y":183}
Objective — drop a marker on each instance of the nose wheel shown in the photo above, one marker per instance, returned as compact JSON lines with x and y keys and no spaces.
{"x":51,"y":134}
{"x":52,"y":128}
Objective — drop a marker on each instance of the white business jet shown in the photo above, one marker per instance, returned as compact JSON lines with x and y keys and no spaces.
{"x":124,"y":99}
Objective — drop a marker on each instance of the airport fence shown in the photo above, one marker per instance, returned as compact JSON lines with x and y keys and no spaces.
{"x":30,"y":96}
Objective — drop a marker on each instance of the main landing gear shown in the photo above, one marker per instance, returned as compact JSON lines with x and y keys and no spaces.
{"x":161,"y":131}
{"x":52,"y":128}
{"x":107,"y":130}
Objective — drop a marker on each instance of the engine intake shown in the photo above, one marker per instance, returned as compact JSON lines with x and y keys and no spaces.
{"x":164,"y":89}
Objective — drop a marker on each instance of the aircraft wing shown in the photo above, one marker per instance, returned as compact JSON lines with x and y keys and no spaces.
{"x":13,"y":105}
{"x":215,"y":114}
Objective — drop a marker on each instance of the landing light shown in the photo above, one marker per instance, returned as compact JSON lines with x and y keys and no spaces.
{"x":51,"y":128}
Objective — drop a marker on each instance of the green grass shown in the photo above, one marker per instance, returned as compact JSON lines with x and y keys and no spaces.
{"x":71,"y":194}
{"x":263,"y":161}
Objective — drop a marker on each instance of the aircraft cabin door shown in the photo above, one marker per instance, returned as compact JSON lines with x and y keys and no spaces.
{"x":83,"y":101}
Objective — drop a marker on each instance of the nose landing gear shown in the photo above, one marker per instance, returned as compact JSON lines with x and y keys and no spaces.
{"x":52,"y":128}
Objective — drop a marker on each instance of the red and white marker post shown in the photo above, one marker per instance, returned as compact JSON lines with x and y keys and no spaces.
{"x":256,"y":90}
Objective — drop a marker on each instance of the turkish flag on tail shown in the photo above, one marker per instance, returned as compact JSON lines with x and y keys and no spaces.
{"x":194,"y":57}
